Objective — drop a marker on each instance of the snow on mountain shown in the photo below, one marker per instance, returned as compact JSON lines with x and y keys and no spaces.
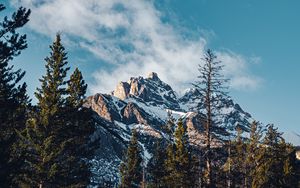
{"x":231,"y":114}
{"x":144,"y":104}
{"x":292,"y":137}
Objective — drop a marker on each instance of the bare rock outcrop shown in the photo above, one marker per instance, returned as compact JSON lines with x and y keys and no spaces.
{"x":153,"y":76}
{"x":132,"y":114}
{"x":103,"y":105}
{"x":122,"y":90}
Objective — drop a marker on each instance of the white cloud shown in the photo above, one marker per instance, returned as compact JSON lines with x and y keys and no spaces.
{"x":236,"y":68}
{"x":131,"y":36}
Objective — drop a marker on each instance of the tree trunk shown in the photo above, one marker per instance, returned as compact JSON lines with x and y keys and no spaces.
{"x":229,"y":182}
{"x":208,"y":129}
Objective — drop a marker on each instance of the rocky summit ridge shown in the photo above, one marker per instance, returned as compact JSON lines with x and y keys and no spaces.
{"x":144,"y":104}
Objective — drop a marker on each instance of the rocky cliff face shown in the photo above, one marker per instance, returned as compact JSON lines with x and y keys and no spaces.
{"x":298,"y":155}
{"x":144,"y":104}
{"x":150,"y":90}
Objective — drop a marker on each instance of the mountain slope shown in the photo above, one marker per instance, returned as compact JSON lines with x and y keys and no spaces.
{"x":144,"y":104}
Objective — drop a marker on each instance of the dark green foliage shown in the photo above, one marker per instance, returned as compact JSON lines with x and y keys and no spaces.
{"x":170,"y":127}
{"x":257,"y":162}
{"x":42,"y":139}
{"x":235,"y":163}
{"x":290,"y":176}
{"x":57,"y":135}
{"x":76,"y":90}
{"x":252,"y":151}
{"x":180,"y":163}
{"x":13,"y":98}
{"x":170,"y":167}
{"x":12,"y":43}
{"x":131,"y":168}
{"x":182,"y":157}
{"x":156,"y":168}
{"x":78,"y":130}
{"x":50,"y":95}
{"x":274,"y":162}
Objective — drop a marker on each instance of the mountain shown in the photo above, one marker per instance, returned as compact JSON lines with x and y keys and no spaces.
{"x":145,"y":104}
{"x":292,"y":137}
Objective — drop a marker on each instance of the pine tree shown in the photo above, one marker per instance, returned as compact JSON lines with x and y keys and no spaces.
{"x":42,"y":139}
{"x":156,"y":166}
{"x":50,"y":95}
{"x":76,"y":90}
{"x":169,"y":127}
{"x":78,"y":129}
{"x":57,"y":135}
{"x":180,"y":163}
{"x":235,"y":163}
{"x":274,"y":167}
{"x":252,"y":151}
{"x":131,"y":168}
{"x":183,"y":157}
{"x":170,"y":167}
{"x":13,"y":97}
{"x":290,"y":177}
{"x":211,"y":87}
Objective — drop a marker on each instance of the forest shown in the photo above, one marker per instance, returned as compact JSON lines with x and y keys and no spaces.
{"x":49,"y":144}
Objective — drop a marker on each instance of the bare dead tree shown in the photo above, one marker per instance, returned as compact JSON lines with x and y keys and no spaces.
{"x":211,"y":86}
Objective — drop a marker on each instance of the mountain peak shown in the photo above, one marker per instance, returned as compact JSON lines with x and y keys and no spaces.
{"x":150,"y":90}
{"x":153,"y":76}
{"x":144,"y":103}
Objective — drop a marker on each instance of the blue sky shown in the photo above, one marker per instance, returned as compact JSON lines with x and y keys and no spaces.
{"x":110,"y":41}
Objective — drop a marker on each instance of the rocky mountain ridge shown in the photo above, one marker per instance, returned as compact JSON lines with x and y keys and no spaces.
{"x":145,"y":104}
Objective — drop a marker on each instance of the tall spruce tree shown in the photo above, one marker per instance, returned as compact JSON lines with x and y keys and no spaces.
{"x":211,"y":86}
{"x":180,"y":163}
{"x":252,"y":151}
{"x":156,"y":168}
{"x":78,"y":130}
{"x":234,"y":165}
{"x":13,"y":97}
{"x":274,"y":167}
{"x":58,"y":130}
{"x":43,"y":141}
{"x":183,"y":157}
{"x":170,"y":167}
{"x":76,"y":90}
{"x":131,"y":168}
{"x":290,"y":176}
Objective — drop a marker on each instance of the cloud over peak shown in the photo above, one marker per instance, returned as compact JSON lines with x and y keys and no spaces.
{"x":131,"y":36}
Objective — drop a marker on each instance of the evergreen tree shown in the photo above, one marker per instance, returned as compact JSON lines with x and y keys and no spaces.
{"x":170,"y":167}
{"x":51,"y":94}
{"x":274,"y":167}
{"x":78,"y":129}
{"x":58,"y":130}
{"x":76,"y":90}
{"x":235,"y":163}
{"x":131,"y":168}
{"x":252,"y":151}
{"x":183,"y":158}
{"x":290,"y":177}
{"x":156,"y":166}
{"x":13,"y":98}
{"x":170,"y":127}
{"x":42,"y":139}
{"x":211,"y":87}
{"x":180,"y":163}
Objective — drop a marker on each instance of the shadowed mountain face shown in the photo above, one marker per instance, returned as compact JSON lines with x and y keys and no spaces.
{"x":144,"y":104}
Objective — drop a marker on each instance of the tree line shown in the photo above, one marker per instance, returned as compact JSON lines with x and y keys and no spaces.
{"x":47,"y":144}
{"x":260,"y":159}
